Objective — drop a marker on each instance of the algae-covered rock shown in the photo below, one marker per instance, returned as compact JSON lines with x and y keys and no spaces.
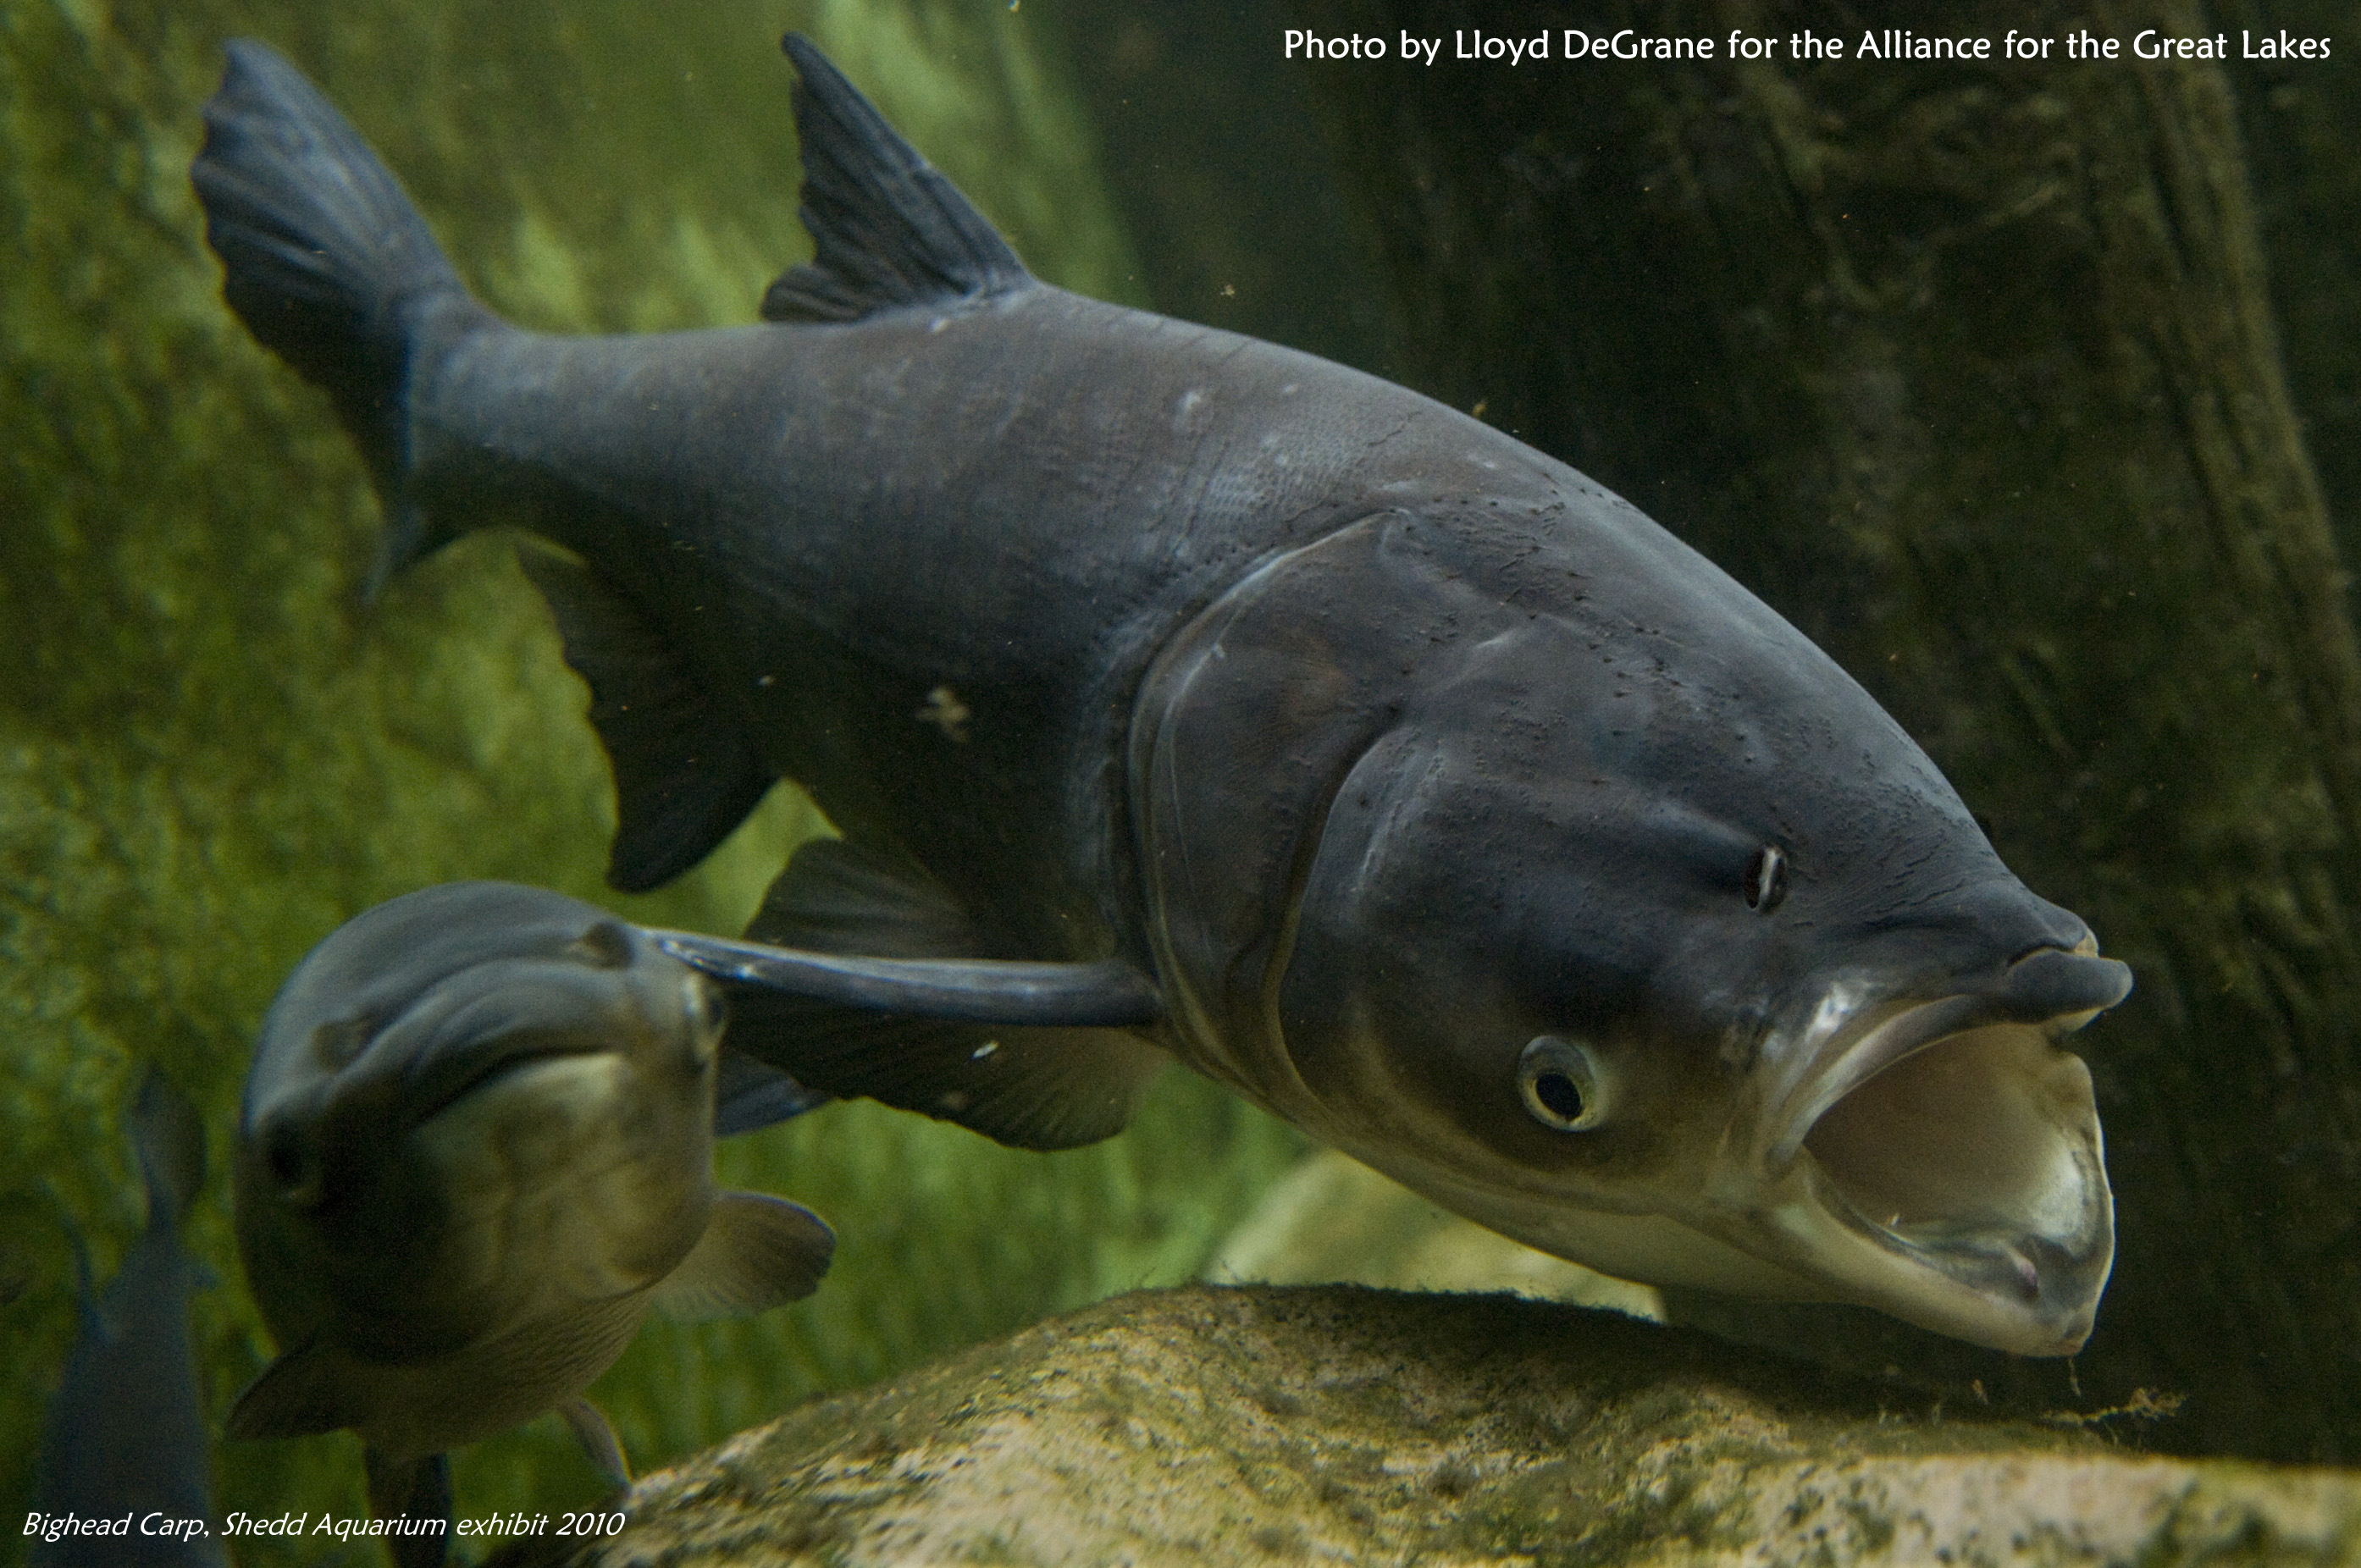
{"x":1230,"y":1425}
{"x":211,"y":752}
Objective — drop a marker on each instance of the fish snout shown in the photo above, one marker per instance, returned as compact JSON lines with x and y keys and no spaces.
{"x":2063,"y":989}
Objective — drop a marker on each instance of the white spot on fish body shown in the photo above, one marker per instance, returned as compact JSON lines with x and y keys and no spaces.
{"x":984,"y":1050}
{"x":946,"y":712}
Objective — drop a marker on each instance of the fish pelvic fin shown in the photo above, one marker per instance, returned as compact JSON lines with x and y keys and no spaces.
{"x":971,"y":1043}
{"x":888,"y":230}
{"x":685,"y":769}
{"x":750,"y":1093}
{"x":758,"y":1252}
{"x":590,"y":1429}
{"x":329,"y":264}
{"x":414,"y":1489}
{"x":304,"y":1392}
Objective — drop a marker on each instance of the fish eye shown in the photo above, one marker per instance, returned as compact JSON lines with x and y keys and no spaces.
{"x":288,"y":1155}
{"x":605,"y":945}
{"x":1562,"y":1084}
{"x":1766,"y":879}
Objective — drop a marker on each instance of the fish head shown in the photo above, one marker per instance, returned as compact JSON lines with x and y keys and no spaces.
{"x":1636,"y":932}
{"x":472,"y":1107}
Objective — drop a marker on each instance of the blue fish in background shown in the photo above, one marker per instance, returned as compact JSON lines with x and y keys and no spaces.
{"x":127,"y":1447}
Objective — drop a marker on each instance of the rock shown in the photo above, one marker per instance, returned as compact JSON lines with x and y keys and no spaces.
{"x":1232,"y":1425}
{"x":1333,"y":1221}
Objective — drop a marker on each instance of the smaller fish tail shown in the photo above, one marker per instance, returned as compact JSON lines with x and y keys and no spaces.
{"x":328,"y":262}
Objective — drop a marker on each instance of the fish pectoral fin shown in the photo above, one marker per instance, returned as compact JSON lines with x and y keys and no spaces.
{"x":839,"y":896}
{"x":874,"y":989}
{"x":307,"y":1390}
{"x":590,"y":1427}
{"x":1027,"y":1087}
{"x":411,"y":1489}
{"x":686,"y":771}
{"x":758,"y":1252}
{"x":887,"y":229}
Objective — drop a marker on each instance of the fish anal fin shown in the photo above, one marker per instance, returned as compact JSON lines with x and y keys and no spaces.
{"x":589,"y":1426}
{"x":417,"y":1489}
{"x":758,"y":1252}
{"x":1022,"y":1085}
{"x":686,"y":771}
{"x":887,"y":229}
{"x":307,"y":1390}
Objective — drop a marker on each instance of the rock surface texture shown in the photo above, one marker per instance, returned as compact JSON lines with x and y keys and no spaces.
{"x":1340,"y":1424}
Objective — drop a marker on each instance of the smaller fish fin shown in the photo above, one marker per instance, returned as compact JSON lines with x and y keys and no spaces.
{"x":887,"y":229}
{"x":1023,"y":1085}
{"x":302,"y":1393}
{"x":588,"y":1425}
{"x":758,"y":1252}
{"x":168,"y":1137}
{"x":752,"y":1094}
{"x":686,"y":773}
{"x":411,"y":1489}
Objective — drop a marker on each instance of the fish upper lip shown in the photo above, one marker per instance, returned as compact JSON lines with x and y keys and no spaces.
{"x":2054,"y":988}
{"x":433,"y":1093}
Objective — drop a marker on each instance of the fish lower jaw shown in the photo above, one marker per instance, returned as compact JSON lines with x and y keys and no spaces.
{"x":1957,"y":1183}
{"x":1991,"y":1280}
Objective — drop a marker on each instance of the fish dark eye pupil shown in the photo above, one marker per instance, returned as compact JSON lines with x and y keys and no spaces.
{"x":285,"y":1154}
{"x":1561,"y":1094}
{"x":1766,"y":879}
{"x":1562,"y":1084}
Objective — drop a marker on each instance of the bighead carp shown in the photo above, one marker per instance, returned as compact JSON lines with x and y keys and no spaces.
{"x":1182,"y":695}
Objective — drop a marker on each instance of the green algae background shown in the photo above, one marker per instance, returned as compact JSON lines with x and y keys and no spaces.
{"x":211,"y":752}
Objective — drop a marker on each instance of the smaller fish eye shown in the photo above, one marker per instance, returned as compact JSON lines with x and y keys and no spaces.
{"x":606,"y":945}
{"x":1766,"y":879}
{"x":288,"y":1155}
{"x":1562,"y":1084}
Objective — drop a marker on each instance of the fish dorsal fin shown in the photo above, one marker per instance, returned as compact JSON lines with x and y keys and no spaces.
{"x":686,"y":771}
{"x":887,"y":229}
{"x":922,"y":1023}
{"x":170,"y":1138}
{"x":758,"y":1252}
{"x":306,"y":1391}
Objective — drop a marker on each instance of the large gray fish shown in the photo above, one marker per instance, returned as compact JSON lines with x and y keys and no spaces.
{"x":1178,"y":695}
{"x":127,"y":1453}
{"x":476,"y":1148}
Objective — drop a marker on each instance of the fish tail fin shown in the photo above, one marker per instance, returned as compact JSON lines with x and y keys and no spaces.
{"x":329,"y":264}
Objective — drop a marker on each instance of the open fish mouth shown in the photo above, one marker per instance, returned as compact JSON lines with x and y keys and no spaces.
{"x":1952,"y":1155}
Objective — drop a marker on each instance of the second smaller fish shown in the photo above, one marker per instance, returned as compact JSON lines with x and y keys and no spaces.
{"x":476,"y":1149}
